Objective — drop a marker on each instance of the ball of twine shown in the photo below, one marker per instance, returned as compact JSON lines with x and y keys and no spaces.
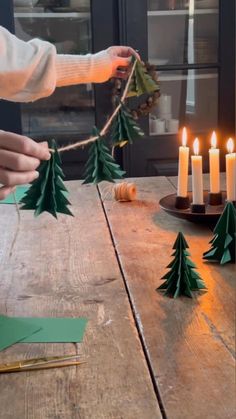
{"x":125,"y":192}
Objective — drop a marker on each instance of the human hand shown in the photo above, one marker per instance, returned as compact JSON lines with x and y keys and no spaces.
{"x":121,"y":60}
{"x":19,"y":158}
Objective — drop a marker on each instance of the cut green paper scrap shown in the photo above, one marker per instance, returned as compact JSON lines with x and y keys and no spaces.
{"x":55,"y":330}
{"x":47,"y":193}
{"x":20,"y":192}
{"x":124,"y":128}
{"x":181,"y":279}
{"x":141,"y":82}
{"x":13,"y":330}
{"x":101,"y":165}
{"x":223,"y":248}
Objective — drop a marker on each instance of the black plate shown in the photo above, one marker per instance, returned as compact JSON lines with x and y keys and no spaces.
{"x":211,"y":216}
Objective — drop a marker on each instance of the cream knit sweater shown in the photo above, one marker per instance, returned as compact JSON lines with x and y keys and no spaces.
{"x":32,"y":70}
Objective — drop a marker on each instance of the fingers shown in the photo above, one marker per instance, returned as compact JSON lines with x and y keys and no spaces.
{"x":10,"y":178}
{"x":23,"y":145}
{"x":123,"y":51}
{"x":121,"y":75}
{"x":18,"y":162}
{"x":128,"y":51}
{"x":4,"y":191}
{"x":122,"y":61}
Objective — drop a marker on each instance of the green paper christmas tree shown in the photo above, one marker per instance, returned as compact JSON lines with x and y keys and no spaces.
{"x":141,"y":82}
{"x":181,"y":279}
{"x":101,"y":165}
{"x":223,"y":243}
{"x":124,"y":129}
{"x":47,"y":192}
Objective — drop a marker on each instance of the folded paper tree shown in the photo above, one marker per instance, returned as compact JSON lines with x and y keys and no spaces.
{"x":101,"y":165}
{"x":47,"y":192}
{"x":223,"y":247}
{"x":124,"y":129}
{"x":141,"y":82}
{"x":181,"y":279}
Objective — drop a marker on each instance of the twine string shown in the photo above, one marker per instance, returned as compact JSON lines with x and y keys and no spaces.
{"x":78,"y":144}
{"x":18,"y":223}
{"x":121,"y":192}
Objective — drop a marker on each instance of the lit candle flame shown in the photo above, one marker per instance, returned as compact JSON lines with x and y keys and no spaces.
{"x":196,"y":146}
{"x":213,"y":140}
{"x":230,"y":145}
{"x":184,"y":137}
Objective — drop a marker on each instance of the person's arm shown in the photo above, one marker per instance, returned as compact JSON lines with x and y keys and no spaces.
{"x":32,"y":70}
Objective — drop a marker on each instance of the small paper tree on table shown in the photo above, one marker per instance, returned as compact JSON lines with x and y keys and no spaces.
{"x":141,"y":82}
{"x":223,"y":243}
{"x":125,"y":129}
{"x":47,"y":191}
{"x":181,"y":279}
{"x":101,"y":165}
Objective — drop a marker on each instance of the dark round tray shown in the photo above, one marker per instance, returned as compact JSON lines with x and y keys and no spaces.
{"x":211,"y":216}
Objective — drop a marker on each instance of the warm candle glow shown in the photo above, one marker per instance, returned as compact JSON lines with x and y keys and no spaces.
{"x":213,"y":140}
{"x":196,"y":146}
{"x":184,"y":137}
{"x":230,"y":145}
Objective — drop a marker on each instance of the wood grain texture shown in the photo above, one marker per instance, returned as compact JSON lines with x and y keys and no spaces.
{"x":69,"y":268}
{"x":190,"y":342}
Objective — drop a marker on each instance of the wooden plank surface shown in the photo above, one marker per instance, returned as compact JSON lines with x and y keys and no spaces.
{"x":189,"y":342}
{"x":69,"y":268}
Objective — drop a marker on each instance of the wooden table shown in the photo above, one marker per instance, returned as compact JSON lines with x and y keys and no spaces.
{"x":148,"y":356}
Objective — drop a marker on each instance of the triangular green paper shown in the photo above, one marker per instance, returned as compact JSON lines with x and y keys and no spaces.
{"x":141,"y":82}
{"x":181,"y":279}
{"x":223,"y":247}
{"x":101,"y":165}
{"x":47,"y":192}
{"x":124,"y":129}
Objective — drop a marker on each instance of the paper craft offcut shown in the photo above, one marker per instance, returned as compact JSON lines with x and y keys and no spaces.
{"x":47,"y":193}
{"x":223,"y":243}
{"x":141,"y":82}
{"x":125,"y":129}
{"x":181,"y":279}
{"x":101,"y":165}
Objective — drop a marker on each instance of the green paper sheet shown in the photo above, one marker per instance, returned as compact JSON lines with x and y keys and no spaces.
{"x":14,"y":330}
{"x":56,"y":329}
{"x":19,"y":194}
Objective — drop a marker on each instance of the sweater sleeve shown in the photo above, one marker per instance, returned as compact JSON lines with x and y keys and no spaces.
{"x":32,"y":70}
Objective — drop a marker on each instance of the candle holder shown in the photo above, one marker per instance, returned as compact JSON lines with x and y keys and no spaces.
{"x":215,"y":198}
{"x":198,"y":208}
{"x":210,"y":216}
{"x":182,"y":202}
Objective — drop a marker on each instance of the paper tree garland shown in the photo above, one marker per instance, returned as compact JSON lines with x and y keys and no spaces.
{"x":181,"y":279}
{"x":223,"y":243}
{"x":47,"y":192}
{"x":101,"y":165}
{"x":141,"y":82}
{"x":125,"y":129}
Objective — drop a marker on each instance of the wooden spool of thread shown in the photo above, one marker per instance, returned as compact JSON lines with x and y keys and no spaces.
{"x":125,"y":191}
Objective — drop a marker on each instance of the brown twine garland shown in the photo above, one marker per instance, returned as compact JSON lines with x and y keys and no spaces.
{"x":82,"y":143}
{"x":18,"y":224}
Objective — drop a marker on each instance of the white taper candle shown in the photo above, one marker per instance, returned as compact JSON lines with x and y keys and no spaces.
{"x":197,"y":181}
{"x":231,"y":171}
{"x":214,"y":162}
{"x":182,"y":189}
